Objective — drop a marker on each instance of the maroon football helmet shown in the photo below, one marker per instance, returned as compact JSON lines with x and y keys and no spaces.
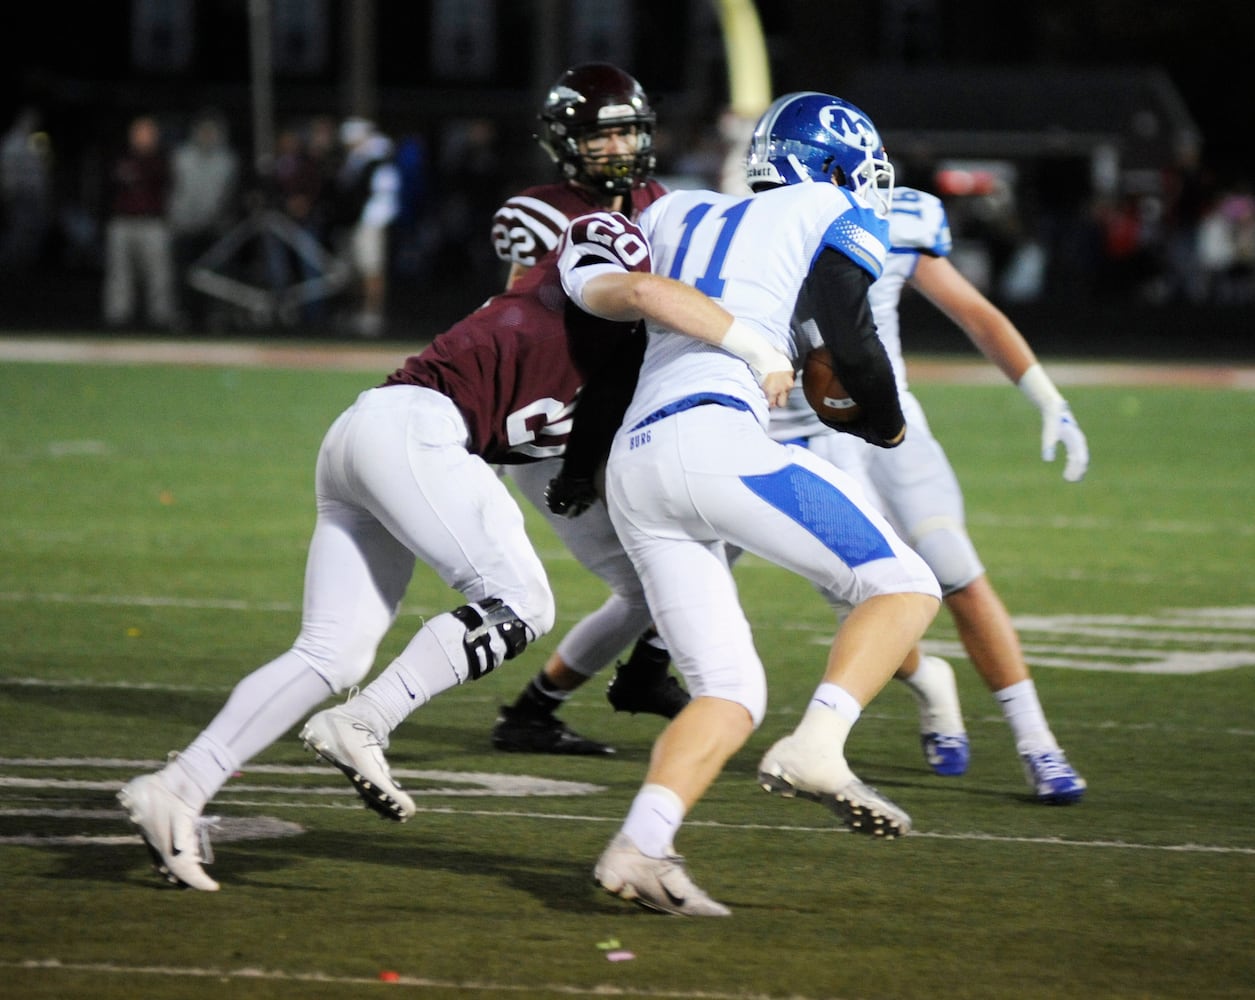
{"x":590,"y":100}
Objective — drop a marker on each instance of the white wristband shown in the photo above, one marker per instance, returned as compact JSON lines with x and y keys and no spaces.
{"x":754,"y":349}
{"x":1037,"y":386}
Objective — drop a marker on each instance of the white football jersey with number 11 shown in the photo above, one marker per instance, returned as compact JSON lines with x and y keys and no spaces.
{"x":752,"y":255}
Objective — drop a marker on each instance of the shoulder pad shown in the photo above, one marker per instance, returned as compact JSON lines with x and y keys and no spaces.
{"x":917,"y":221}
{"x":858,"y":233}
{"x":609,"y":237}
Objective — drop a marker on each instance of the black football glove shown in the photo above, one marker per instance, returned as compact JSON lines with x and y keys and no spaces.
{"x":862,"y":428}
{"x":570,"y":496}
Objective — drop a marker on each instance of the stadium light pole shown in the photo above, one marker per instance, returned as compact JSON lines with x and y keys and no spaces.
{"x":261,"y":66}
{"x":360,"y":96}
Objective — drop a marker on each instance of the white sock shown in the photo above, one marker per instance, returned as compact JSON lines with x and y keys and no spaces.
{"x":1023,"y":713}
{"x":262,"y":707}
{"x":934,"y":689}
{"x":434,"y":661}
{"x":821,"y":736}
{"x":653,"y":820}
{"x":197,"y":773}
{"x":837,"y":698}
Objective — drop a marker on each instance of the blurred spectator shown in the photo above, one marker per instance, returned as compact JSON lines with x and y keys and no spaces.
{"x":137,"y":235}
{"x":307,"y":162}
{"x":470,"y":191}
{"x":299,"y":181}
{"x":367,"y":194}
{"x":735,"y":130}
{"x":26,"y":189}
{"x":1123,"y":260}
{"x":1226,"y":247}
{"x":321,"y":141}
{"x":1187,"y":184}
{"x":203,"y":199}
{"x":417,"y":236}
{"x":297,"y":190}
{"x":692,"y":159}
{"x":987,"y":223}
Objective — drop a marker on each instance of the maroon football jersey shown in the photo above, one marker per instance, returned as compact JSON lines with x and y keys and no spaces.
{"x":530,"y":224}
{"x":515,"y":366}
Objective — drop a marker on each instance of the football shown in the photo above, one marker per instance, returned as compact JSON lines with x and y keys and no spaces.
{"x":824,"y":391}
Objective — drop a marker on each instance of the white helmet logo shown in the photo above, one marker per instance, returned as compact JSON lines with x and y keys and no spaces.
{"x":854,"y":129}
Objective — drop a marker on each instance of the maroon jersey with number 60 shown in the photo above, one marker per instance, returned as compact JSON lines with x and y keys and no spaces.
{"x":515,"y":366}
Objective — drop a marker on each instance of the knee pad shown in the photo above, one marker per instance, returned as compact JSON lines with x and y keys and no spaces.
{"x":945,"y":546}
{"x":746,"y":687}
{"x":494,"y":634}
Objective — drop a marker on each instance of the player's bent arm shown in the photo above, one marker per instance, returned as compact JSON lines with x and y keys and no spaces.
{"x":835,"y":298}
{"x":626,"y":296}
{"x":605,"y":267}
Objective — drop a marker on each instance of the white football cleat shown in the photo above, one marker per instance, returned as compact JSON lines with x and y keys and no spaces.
{"x":176,"y":836}
{"x":660,"y":884}
{"x":791,"y":769}
{"x":357,"y":751}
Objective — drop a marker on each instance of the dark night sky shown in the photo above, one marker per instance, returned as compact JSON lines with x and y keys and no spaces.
{"x":1205,"y":47}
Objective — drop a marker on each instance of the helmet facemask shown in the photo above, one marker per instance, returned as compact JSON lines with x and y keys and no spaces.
{"x":872,"y":180}
{"x":612,"y":158}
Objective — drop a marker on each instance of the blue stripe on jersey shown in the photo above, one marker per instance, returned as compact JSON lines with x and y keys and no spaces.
{"x":862,"y":237}
{"x":688,"y":402}
{"x":824,"y":511}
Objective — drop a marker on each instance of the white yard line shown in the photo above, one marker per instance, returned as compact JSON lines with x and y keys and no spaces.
{"x":1170,"y":641}
{"x":240,"y":794}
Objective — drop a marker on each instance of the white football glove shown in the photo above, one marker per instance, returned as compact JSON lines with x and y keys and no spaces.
{"x":1057,"y":424}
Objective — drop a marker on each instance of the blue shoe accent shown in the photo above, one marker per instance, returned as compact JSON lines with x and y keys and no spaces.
{"x":946,"y":755}
{"x":1052,"y":778}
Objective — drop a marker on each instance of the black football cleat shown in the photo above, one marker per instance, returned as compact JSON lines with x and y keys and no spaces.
{"x":657,"y":695}
{"x":517,"y":732}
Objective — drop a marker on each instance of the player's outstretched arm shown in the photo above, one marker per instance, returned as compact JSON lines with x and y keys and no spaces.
{"x":1001,"y":342}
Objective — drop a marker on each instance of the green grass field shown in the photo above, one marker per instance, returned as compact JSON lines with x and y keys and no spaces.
{"x":155,"y":521}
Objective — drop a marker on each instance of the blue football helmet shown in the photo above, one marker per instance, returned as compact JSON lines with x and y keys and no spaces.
{"x":808,"y":136}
